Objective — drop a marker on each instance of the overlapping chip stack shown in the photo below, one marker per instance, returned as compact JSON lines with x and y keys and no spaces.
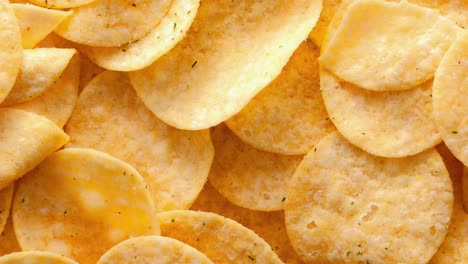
{"x":245,"y":131}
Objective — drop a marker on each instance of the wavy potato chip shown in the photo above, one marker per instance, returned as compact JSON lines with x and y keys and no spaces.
{"x":111,"y":23}
{"x":110,"y":117}
{"x":248,"y":177}
{"x":450,"y":97}
{"x":27,"y":139}
{"x":81,"y":202}
{"x":457,"y":10}
{"x":162,"y":38}
{"x":6,"y":194}
{"x":61,"y":3}
{"x":222,"y":240}
{"x":232,"y":51}
{"x":35,"y":257}
{"x":8,"y":242}
{"x":155,"y":250}
{"x":393,"y":46}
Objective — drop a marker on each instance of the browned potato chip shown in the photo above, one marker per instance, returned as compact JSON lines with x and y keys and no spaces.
{"x":8,"y":242}
{"x":328,"y":11}
{"x":465,"y":189}
{"x":35,"y":257}
{"x":6,"y":194}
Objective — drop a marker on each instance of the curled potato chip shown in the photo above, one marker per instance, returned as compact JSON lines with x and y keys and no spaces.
{"x":248,"y":177}
{"x":155,"y":250}
{"x":175,"y":163}
{"x":453,"y":9}
{"x":111,"y":23}
{"x":61,"y":3}
{"x":36,"y":22}
{"x":81,"y":202}
{"x":345,"y":205}
{"x":450,"y":97}
{"x":6,"y":194}
{"x":137,"y":55}
{"x":8,"y":242}
{"x":35,"y":257}
{"x":27,"y":139}
{"x":232,"y":51}
{"x":222,"y":240}
{"x":393,"y":46}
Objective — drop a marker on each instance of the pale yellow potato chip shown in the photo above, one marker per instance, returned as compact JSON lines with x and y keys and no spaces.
{"x":387,"y":124}
{"x":162,"y":38}
{"x":287,"y":117}
{"x":110,"y":117}
{"x":248,"y":177}
{"x":232,"y":51}
{"x":37,"y":22}
{"x":155,"y":250}
{"x":383,"y":46}
{"x":81,"y":202}
{"x":40,"y":69}
{"x":222,"y":240}
{"x":329,"y":8}
{"x":35,"y":257}
{"x":6,"y":194}
{"x":457,"y":10}
{"x":11,"y":52}
{"x":8,"y":242}
{"x":268,"y":225}
{"x":450,"y":98}
{"x":61,"y":3}
{"x":58,"y":101}
{"x":26,"y":140}
{"x":110,"y":23}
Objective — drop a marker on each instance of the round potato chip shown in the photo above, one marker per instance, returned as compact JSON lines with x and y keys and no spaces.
{"x":453,"y":9}
{"x":81,"y":202}
{"x":155,"y":250}
{"x":232,"y":51}
{"x":346,"y":206}
{"x":387,"y":124}
{"x":35,"y":257}
{"x":410,"y":41}
{"x":111,"y":23}
{"x":319,"y":31}
{"x":110,"y":117}
{"x":26,"y":140}
{"x":6,"y":194}
{"x":61,"y":3}
{"x":161,"y":39}
{"x":287,"y":117}
{"x":222,"y":240}
{"x":450,"y":97}
{"x":248,"y":177}
{"x":11,"y":51}
{"x":8,"y":242}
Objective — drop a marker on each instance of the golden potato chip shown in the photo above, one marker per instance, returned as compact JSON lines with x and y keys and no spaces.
{"x":11,"y":52}
{"x":58,"y":101}
{"x":110,"y":117}
{"x":450,"y":98}
{"x":162,"y":38}
{"x":8,"y":242}
{"x":35,"y":257}
{"x":26,"y":139}
{"x":37,"y":22}
{"x":387,"y":124}
{"x":88,"y":70}
{"x":329,"y":9}
{"x":6,"y":194}
{"x":465,"y":189}
{"x":346,"y":206}
{"x":155,"y":250}
{"x":81,"y":202}
{"x":110,"y":23}
{"x":40,"y":69}
{"x":248,"y":177}
{"x":268,"y":225}
{"x":222,"y":240}
{"x":61,"y":3}
{"x":457,"y":10}
{"x":287,"y":117}
{"x":232,"y":50}
{"x":393,"y":46}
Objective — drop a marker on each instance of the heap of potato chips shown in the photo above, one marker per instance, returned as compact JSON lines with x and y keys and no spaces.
{"x":211,"y":131}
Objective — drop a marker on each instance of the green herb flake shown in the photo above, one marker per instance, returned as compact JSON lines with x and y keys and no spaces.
{"x":124,"y":50}
{"x":175,"y":26}
{"x":348,"y":253}
{"x":359,"y":253}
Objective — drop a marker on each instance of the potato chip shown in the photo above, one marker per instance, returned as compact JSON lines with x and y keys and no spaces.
{"x":11,"y":52}
{"x":58,"y":101}
{"x":35,"y":257}
{"x":110,"y":23}
{"x":453,"y":9}
{"x":329,"y":9}
{"x":110,"y":117}
{"x":88,"y":70}
{"x":387,"y":124}
{"x":221,"y":239}
{"x":232,"y":51}
{"x":346,"y":206}
{"x":137,"y":55}
{"x":465,"y":189}
{"x":40,"y":69}
{"x":81,"y":202}
{"x":155,"y":250}
{"x":61,"y":3}
{"x":248,"y":177}
{"x":27,"y":139}
{"x":268,"y":225}
{"x":37,"y":22}
{"x":450,"y":97}
{"x":6,"y":194}
{"x":393,"y":46}
{"x":287,"y":117}
{"x":8,"y":242}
